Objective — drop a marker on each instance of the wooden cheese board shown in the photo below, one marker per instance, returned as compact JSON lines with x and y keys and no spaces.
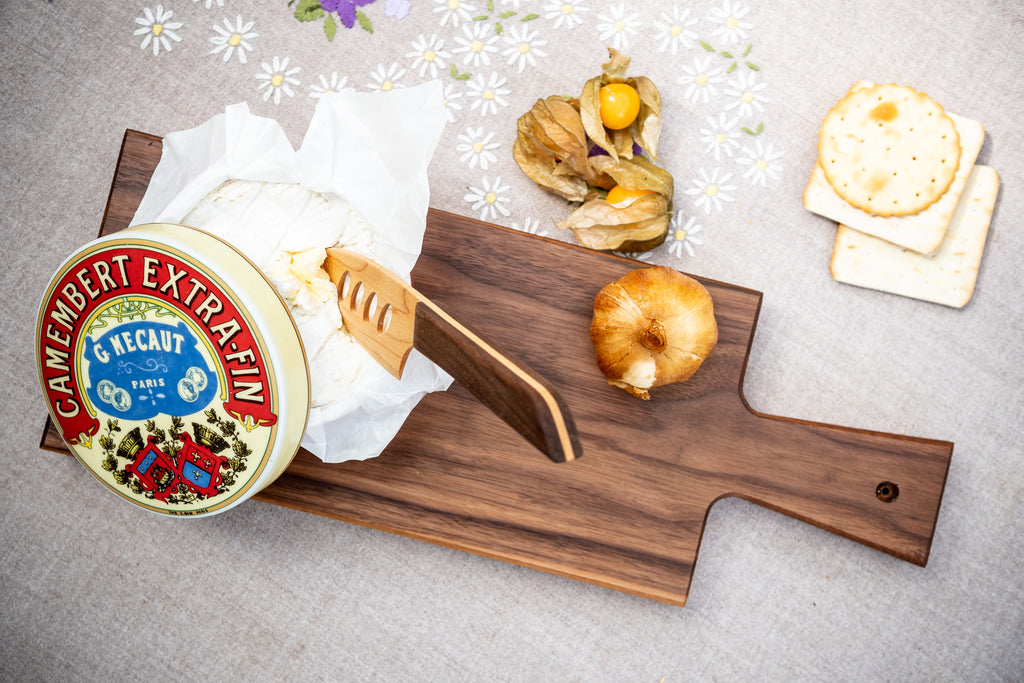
{"x":630,"y":512}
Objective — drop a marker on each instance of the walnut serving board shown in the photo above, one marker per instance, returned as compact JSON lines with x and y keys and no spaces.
{"x":629,"y":513}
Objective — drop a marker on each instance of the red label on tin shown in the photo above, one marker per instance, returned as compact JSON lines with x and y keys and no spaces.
{"x":108,"y":292}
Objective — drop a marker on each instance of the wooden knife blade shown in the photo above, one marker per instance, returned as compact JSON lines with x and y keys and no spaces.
{"x":389,"y":318}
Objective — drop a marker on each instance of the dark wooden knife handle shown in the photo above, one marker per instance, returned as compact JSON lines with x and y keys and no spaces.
{"x":525,"y":400}
{"x":883,"y":490}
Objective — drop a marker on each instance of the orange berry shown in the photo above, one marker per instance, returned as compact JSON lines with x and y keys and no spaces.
{"x":619,"y":193}
{"x":619,"y":105}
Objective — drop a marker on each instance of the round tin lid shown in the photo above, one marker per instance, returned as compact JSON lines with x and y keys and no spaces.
{"x":172,"y":369}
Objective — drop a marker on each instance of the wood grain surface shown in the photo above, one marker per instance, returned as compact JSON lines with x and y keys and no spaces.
{"x":630,"y":513}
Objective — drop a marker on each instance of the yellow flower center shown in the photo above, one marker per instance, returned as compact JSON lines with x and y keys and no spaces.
{"x":453,"y":4}
{"x":478,"y":147}
{"x":567,"y":9}
{"x":676,"y":30}
{"x":620,"y":26}
{"x":386,"y":86}
{"x":711,"y":190}
{"x":277,"y":80}
{"x":524,"y":48}
{"x":491,"y":198}
{"x":429,"y":56}
{"x":235,"y":39}
{"x":680,"y":235}
{"x":720,"y":138}
{"x":732,"y":22}
{"x":702,"y":80}
{"x":476,"y":46}
{"x":488,"y":94}
{"x":761,"y":164}
{"x":158,"y":29}
{"x":747,"y":97}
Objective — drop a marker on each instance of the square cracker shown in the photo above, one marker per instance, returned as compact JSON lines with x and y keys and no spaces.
{"x":946,"y":276}
{"x":922,"y":232}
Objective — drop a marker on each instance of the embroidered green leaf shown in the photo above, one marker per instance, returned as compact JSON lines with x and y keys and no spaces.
{"x":482,"y":17}
{"x":756,"y":131}
{"x":752,"y":67}
{"x":364,"y":21}
{"x":732,"y":67}
{"x":453,"y":71}
{"x":506,"y":15}
{"x":330,"y":27}
{"x":707,"y":46}
{"x":530,"y":17}
{"x":309,"y":10}
{"x":747,"y":51}
{"x":498,"y":28}
{"x":464,"y":77}
{"x":490,"y":6}
{"x":727,"y":55}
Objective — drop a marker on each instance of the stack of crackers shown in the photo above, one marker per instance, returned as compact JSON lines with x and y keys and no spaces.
{"x":898,"y":174}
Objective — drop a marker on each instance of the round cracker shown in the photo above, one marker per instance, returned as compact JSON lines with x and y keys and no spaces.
{"x":889,"y":150}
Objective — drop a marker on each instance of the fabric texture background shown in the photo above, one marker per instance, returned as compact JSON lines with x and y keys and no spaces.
{"x":90,"y":589}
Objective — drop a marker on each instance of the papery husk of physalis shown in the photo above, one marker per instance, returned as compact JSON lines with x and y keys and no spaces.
{"x":640,"y":225}
{"x":636,"y":173}
{"x":551,"y":148}
{"x":634,"y":225}
{"x":644,"y":131}
{"x":652,"y":327}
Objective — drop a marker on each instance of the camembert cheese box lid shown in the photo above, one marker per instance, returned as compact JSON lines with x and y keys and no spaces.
{"x":172,"y":369}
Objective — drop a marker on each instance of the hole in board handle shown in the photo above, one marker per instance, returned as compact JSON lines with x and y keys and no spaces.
{"x":887,"y":491}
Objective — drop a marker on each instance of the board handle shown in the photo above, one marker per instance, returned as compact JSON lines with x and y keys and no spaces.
{"x":882,"y":490}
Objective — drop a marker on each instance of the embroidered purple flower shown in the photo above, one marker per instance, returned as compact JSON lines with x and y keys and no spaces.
{"x":397,"y":9}
{"x":345,"y":9}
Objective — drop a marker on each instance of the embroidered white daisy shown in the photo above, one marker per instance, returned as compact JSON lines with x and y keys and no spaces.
{"x":330,"y":85}
{"x":428,"y":55}
{"x":568,"y":13}
{"x":745,"y":92}
{"x":489,"y":200}
{"x":720,"y":135}
{"x":210,"y":3}
{"x":617,"y":26}
{"x":732,"y":28}
{"x":488,"y":93}
{"x":157,"y":29}
{"x":524,"y":47}
{"x":674,"y":30}
{"x":761,"y":162}
{"x":682,"y":235}
{"x":233,"y":38}
{"x":454,"y":11}
{"x":530,"y":225}
{"x":387,"y":79}
{"x":701,"y":79}
{"x":476,"y":45}
{"x":277,"y":78}
{"x":711,"y":191}
{"x":450,"y":96}
{"x":477,"y":148}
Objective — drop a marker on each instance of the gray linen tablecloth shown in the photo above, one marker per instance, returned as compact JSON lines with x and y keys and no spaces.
{"x":90,"y":589}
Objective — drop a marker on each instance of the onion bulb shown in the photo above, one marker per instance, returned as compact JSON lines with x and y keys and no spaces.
{"x":651,"y":327}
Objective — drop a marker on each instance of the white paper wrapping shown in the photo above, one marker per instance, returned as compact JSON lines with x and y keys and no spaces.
{"x":370,"y":149}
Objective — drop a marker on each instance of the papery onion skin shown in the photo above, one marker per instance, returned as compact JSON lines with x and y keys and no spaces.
{"x":652,"y":327}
